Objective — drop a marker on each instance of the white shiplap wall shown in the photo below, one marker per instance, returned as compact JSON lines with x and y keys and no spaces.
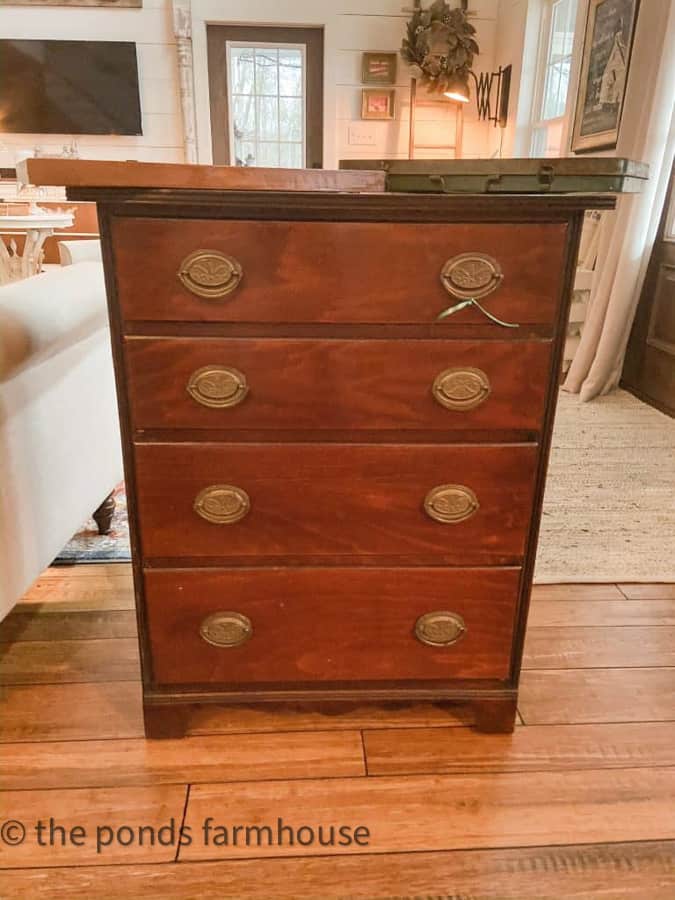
{"x":152,"y":30}
{"x":380,"y":25}
{"x":352,"y":26}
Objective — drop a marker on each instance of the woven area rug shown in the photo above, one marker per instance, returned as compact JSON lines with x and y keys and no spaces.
{"x":609,"y":509}
{"x":88,"y":546}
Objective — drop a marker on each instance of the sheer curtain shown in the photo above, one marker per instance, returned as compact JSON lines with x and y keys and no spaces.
{"x":628,"y":234}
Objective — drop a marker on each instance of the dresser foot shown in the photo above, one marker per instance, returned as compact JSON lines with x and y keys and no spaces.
{"x":104,"y":513}
{"x":495,"y":716}
{"x":165,"y":721}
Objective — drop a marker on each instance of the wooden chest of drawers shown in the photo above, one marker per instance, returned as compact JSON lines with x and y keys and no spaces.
{"x":337,"y":411}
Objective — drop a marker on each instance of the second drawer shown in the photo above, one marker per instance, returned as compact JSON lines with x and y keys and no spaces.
{"x":336,"y":384}
{"x":464,"y":504}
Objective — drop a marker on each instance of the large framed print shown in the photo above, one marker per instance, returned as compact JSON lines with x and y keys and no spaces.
{"x":608,"y":43}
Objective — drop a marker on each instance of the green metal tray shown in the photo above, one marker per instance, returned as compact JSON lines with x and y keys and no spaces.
{"x":587,"y":175}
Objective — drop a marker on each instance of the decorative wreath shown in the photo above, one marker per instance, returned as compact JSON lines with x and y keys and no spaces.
{"x":439,"y":45}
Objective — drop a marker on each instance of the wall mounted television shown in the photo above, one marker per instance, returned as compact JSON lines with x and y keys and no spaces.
{"x":69,"y":87}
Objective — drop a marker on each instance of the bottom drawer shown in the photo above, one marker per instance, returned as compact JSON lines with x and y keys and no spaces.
{"x":246,"y":626}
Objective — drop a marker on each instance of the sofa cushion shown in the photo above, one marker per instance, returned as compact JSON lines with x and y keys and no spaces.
{"x":41,"y":315}
{"x":73,"y":252}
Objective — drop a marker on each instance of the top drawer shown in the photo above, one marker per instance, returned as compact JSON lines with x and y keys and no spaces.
{"x":336,"y":272}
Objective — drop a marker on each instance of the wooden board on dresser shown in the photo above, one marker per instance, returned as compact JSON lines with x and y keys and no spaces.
{"x":334,"y":494}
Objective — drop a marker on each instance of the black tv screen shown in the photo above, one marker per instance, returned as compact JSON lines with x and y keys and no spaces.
{"x":69,"y":87}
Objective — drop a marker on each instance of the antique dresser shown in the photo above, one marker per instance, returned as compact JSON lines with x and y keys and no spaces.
{"x":337,"y":406}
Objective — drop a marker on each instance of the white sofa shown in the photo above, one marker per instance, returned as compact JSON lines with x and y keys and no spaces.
{"x":60,"y":451}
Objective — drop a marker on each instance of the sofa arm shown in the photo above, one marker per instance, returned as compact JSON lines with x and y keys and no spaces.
{"x":71,"y":252}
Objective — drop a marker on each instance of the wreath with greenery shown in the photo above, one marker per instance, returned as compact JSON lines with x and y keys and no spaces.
{"x":439,"y":45}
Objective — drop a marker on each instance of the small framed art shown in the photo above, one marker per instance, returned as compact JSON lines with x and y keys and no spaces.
{"x":379,"y":68}
{"x":378,"y":104}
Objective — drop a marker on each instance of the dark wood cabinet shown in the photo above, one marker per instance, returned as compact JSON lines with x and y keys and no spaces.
{"x":334,"y":482}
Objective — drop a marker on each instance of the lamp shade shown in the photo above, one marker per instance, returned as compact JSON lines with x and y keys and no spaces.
{"x":458,"y":90}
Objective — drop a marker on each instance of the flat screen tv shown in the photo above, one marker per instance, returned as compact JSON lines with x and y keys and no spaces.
{"x":69,"y":87}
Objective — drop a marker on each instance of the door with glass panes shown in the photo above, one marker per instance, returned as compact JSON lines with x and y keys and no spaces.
{"x":266,"y":95}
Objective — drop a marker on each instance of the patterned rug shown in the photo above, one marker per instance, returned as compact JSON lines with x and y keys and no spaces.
{"x":88,"y":546}
{"x":608,"y":510}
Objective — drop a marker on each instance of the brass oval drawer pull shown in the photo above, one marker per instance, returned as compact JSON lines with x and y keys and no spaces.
{"x":461,"y":389}
{"x":451,"y":503}
{"x":226,"y":629}
{"x":440,"y":629}
{"x":210,"y":273}
{"x":217,"y":386}
{"x":222,"y":504}
{"x":471,"y":276}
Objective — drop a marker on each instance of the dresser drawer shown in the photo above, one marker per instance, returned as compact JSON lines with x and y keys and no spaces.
{"x":308,"y":625}
{"x":332,"y":272}
{"x":281,"y":385}
{"x":336,"y":500}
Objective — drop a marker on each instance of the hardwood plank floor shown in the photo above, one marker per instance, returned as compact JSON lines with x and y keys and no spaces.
{"x":578,"y":803}
{"x":636,"y":871}
{"x":118,"y":763}
{"x":32,"y":662}
{"x":599,"y":613}
{"x":434,"y":812}
{"x":542,"y":748}
{"x":559,"y":697}
{"x":577,"y":647}
{"x":108,"y":823}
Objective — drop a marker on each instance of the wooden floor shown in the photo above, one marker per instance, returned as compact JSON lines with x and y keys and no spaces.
{"x":578,"y":803}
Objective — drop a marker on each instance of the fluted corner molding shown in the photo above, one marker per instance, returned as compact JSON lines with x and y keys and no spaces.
{"x":182,"y":29}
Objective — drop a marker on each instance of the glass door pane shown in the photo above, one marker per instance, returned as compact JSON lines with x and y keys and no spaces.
{"x":267,"y":101}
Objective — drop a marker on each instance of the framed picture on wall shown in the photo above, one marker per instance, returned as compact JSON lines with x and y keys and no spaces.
{"x":379,"y":68}
{"x":378,"y":104}
{"x":608,"y":43}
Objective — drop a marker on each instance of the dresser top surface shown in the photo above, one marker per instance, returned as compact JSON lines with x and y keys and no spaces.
{"x":295,"y":191}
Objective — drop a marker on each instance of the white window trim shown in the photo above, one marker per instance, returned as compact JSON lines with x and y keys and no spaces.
{"x":272,"y":45}
{"x":545,"y":14}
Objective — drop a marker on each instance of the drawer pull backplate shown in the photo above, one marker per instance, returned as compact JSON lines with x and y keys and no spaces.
{"x":461,"y":389}
{"x":226,"y":629}
{"x":217,"y":386}
{"x":210,"y":274}
{"x":222,"y":504}
{"x":451,"y":503}
{"x":471,"y":276}
{"x":440,"y":629}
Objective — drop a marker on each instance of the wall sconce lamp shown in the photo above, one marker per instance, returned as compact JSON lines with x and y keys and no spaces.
{"x":458,"y":90}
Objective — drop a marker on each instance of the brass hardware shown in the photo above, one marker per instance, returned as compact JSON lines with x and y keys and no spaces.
{"x":451,"y":503}
{"x":451,"y":310}
{"x":440,"y":629}
{"x":471,"y":276}
{"x":217,"y":386}
{"x":210,"y":274}
{"x":461,"y":389}
{"x":222,"y":504}
{"x":226,"y":629}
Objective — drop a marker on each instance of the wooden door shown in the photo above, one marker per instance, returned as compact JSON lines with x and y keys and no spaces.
{"x":649,"y":370}
{"x":266,"y":95}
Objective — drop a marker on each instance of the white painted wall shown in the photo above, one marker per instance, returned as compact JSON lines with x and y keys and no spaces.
{"x":151,"y":27}
{"x":351,"y":27}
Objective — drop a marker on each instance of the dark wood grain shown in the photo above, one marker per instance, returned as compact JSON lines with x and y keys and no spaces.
{"x":329,"y":624}
{"x":28,"y":662}
{"x":335,"y":499}
{"x":335,"y":384}
{"x":334,"y":272}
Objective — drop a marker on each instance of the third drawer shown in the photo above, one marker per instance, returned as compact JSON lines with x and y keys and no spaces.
{"x":283,"y":385}
{"x":458,"y":504}
{"x":251,"y":626}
